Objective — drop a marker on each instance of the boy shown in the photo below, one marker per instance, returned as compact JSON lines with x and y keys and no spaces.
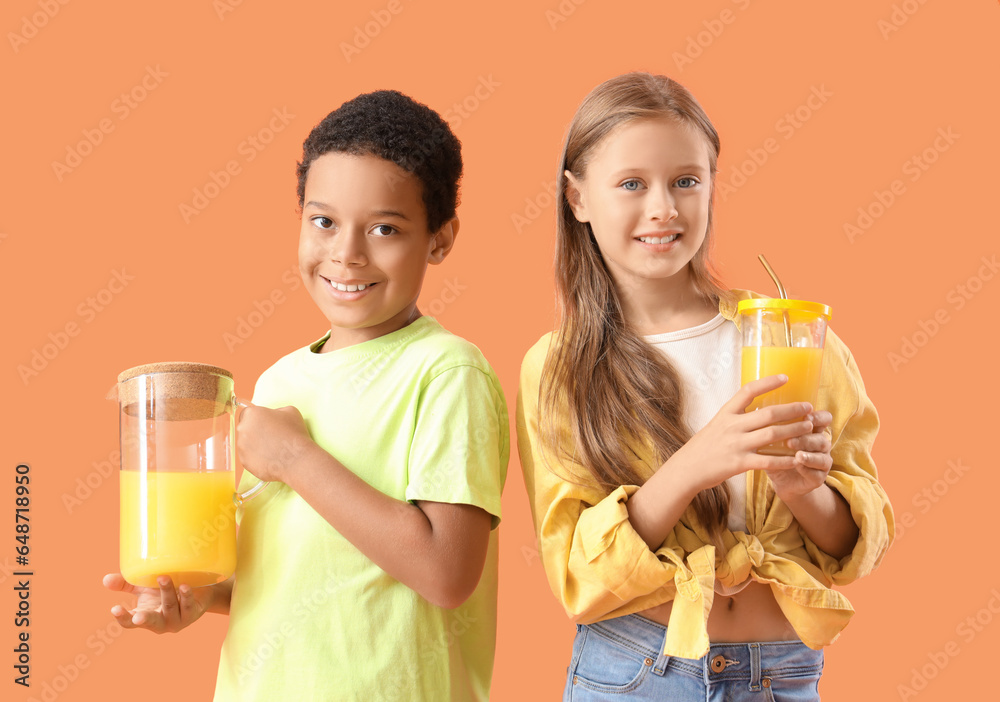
{"x":368,"y":569}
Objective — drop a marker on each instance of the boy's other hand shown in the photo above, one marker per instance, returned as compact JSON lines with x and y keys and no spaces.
{"x":160,"y":610}
{"x":269,"y":441}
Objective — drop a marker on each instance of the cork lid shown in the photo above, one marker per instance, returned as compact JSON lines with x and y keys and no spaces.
{"x":175,"y":391}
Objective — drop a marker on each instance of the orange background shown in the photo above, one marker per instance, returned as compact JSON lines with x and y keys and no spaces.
{"x":889,"y":89}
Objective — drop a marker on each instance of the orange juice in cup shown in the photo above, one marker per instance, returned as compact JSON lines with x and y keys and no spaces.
{"x":783,"y":336}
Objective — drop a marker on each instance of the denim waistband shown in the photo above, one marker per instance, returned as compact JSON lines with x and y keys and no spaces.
{"x":750,"y":661}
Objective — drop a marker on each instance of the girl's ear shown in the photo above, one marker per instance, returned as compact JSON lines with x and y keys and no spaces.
{"x":442,"y":241}
{"x":574,"y":196}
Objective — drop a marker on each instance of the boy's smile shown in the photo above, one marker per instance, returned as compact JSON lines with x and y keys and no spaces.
{"x":364,"y":245}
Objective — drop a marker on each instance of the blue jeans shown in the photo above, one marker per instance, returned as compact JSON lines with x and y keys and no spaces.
{"x":622,"y":659}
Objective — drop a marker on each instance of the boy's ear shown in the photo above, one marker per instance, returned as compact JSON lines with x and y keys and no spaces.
{"x":574,"y":196}
{"x":443,"y":241}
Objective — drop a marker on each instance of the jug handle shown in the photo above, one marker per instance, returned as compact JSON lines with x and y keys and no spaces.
{"x":239,"y":499}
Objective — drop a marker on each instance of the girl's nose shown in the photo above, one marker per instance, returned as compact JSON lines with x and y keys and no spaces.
{"x":660,"y":205}
{"x":348,"y":248}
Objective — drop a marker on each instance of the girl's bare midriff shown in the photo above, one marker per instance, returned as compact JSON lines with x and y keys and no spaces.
{"x":750,"y":615}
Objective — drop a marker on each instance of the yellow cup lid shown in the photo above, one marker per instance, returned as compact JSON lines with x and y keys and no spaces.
{"x":775,"y":303}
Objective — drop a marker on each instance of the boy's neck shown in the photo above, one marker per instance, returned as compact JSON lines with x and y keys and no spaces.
{"x":342,"y":337}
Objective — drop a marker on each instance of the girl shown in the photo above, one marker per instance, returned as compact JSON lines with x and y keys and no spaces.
{"x":694,"y":567}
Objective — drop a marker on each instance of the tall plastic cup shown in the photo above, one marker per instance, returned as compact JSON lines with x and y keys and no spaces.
{"x":783,"y":336}
{"x":177,"y":425}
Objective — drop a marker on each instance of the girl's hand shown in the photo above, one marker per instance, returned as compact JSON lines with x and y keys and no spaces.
{"x":162,"y":609}
{"x":728,"y":444}
{"x":269,"y":441}
{"x":812,"y":461}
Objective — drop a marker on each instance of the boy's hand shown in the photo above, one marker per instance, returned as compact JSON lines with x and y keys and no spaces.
{"x":160,"y":610}
{"x":269,"y":441}
{"x":812,"y":460}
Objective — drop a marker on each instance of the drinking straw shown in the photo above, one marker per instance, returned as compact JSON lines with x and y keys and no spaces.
{"x":784,"y":296}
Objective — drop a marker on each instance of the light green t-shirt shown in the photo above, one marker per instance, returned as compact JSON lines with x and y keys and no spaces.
{"x":419,"y":415}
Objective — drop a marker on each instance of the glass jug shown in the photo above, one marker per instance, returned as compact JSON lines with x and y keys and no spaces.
{"x":178,"y":503}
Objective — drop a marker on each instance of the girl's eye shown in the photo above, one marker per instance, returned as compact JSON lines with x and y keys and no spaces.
{"x":631,"y":185}
{"x":687,"y":182}
{"x":322,"y":222}
{"x":383,"y":230}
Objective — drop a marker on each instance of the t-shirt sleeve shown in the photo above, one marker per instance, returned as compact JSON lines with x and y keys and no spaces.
{"x":460,"y":443}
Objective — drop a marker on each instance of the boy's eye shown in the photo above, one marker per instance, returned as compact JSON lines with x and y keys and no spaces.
{"x":322,"y":222}
{"x":631,"y":185}
{"x":686,"y":182}
{"x":383,"y":230}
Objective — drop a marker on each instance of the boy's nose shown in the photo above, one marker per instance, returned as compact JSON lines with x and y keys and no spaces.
{"x":348,"y":248}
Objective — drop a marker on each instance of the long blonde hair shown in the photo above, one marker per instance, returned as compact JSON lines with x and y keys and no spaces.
{"x":622,"y":394}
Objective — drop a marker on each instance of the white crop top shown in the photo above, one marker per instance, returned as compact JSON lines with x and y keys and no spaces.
{"x":707,"y":358}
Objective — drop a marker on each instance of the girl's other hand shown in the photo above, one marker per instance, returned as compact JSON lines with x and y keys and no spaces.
{"x":162,"y":609}
{"x":812,"y":460}
{"x":728,"y":444}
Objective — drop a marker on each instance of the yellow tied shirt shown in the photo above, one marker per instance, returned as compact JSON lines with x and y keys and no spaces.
{"x":600,"y":568}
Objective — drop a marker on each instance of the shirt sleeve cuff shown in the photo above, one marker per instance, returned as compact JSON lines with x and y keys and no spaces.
{"x":873,"y":515}
{"x":613,"y":552}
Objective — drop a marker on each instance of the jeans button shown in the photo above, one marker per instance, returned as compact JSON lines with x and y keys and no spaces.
{"x":766,"y":682}
{"x":718,"y":664}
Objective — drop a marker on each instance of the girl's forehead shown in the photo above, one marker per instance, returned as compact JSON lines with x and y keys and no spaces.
{"x":652,"y":138}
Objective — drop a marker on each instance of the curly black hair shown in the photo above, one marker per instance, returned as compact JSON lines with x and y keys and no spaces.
{"x":392,"y":126}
